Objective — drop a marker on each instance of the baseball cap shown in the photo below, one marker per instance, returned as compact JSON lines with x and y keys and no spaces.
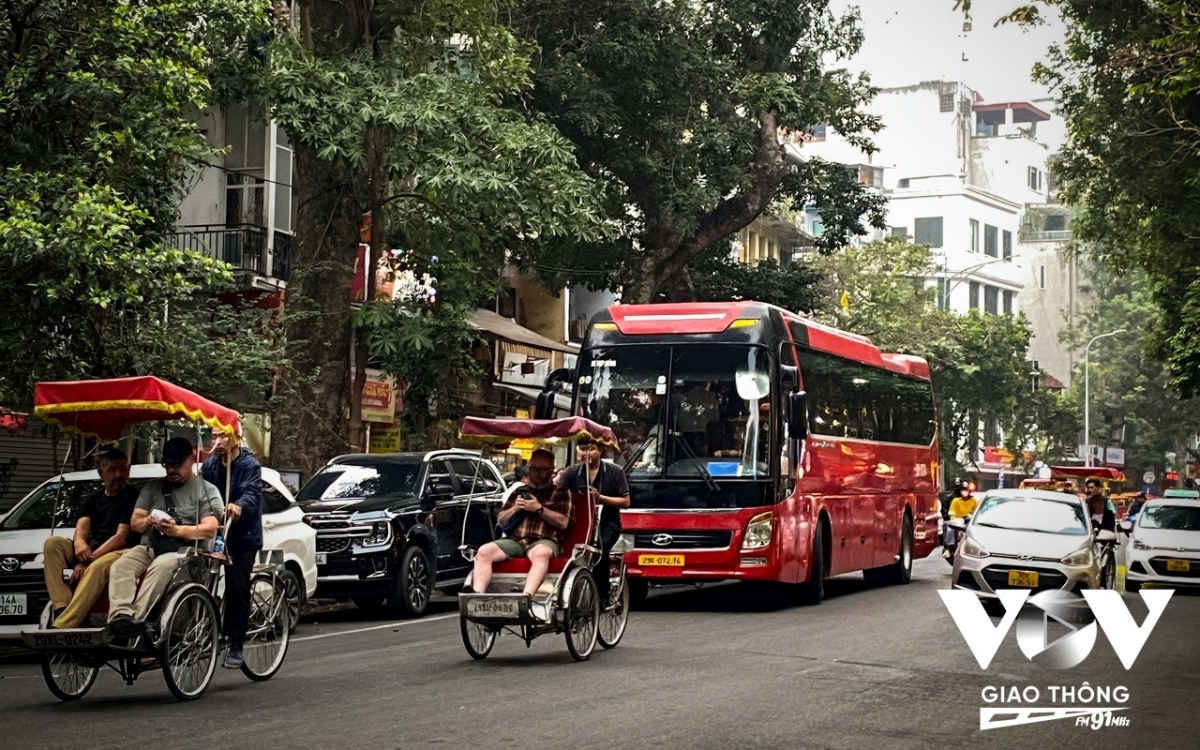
{"x":177,"y":450}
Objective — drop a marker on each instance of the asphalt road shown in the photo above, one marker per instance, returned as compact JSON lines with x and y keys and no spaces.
{"x":724,"y":666}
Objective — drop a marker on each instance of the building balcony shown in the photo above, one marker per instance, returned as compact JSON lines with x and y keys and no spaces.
{"x":244,"y":247}
{"x":1046,"y":235}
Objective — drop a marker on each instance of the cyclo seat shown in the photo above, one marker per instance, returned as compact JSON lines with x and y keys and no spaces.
{"x":579,"y":532}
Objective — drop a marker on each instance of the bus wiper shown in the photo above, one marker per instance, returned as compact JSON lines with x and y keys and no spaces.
{"x":628,"y":468}
{"x":708,"y":478}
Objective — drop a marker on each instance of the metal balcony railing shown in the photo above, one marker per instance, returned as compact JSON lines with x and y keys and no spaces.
{"x":1053,"y":235}
{"x":242,"y":246}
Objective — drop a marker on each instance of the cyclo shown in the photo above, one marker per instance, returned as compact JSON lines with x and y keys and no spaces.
{"x":182,"y":636}
{"x":570,"y":591}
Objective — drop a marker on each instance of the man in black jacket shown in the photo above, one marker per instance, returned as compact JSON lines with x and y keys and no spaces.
{"x":607,"y":486}
{"x":244,"y":505}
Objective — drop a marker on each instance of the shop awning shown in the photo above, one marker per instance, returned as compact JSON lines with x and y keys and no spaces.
{"x":486,"y":320}
{"x":561,"y":400}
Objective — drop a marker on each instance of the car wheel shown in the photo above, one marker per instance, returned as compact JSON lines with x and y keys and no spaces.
{"x":414,"y":580}
{"x":295,"y":598}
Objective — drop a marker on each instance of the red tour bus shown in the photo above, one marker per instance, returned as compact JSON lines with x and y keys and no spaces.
{"x":757,"y":442}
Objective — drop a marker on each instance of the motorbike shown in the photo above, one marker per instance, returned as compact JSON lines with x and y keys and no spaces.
{"x":953,"y":531}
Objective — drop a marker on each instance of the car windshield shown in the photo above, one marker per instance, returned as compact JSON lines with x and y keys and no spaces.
{"x":1032,"y":514}
{"x":1172,"y":517}
{"x":341,"y":481}
{"x":695,"y":411}
{"x":38,"y":511}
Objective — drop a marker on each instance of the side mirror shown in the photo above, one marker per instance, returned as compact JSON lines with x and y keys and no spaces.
{"x":559,"y":377}
{"x":797,"y":415}
{"x":544,"y":408}
{"x":789,"y":378}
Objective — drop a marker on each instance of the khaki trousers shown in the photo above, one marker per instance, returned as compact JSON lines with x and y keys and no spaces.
{"x":59,"y":554}
{"x":125,"y":597}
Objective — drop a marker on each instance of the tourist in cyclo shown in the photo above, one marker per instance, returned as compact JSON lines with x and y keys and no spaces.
{"x":102,"y":534}
{"x":170,"y":512}
{"x":544,"y":511}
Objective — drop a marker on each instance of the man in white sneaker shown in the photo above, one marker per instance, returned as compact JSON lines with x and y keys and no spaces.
{"x":544,"y":512}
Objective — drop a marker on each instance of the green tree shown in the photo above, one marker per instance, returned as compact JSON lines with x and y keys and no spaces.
{"x":679,"y":110}
{"x":398,"y":110}
{"x":1126,"y":82}
{"x":97,"y":135}
{"x":977,"y":361}
{"x":1126,"y":379}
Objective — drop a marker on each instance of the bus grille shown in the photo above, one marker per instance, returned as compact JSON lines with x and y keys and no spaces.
{"x":682,"y":539}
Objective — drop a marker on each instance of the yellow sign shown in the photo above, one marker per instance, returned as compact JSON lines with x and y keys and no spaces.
{"x":384,"y":438}
{"x":379,"y":398}
{"x":521,"y":413}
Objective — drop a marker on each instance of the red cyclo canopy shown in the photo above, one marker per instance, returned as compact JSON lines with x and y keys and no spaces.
{"x":1087,"y":472}
{"x":538,"y":430}
{"x":104,"y":408}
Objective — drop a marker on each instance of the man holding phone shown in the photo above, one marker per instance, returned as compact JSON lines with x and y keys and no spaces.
{"x":542,"y":515}
{"x":170,"y":513}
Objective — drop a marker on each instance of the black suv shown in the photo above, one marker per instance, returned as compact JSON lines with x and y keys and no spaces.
{"x":390,"y":526}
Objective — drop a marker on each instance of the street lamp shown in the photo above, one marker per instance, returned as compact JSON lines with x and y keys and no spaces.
{"x":962,"y":276}
{"x":1087,"y":395}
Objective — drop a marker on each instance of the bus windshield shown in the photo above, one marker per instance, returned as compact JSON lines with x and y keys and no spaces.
{"x":697,"y":411}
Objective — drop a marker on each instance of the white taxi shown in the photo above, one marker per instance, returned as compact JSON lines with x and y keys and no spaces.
{"x":1164,"y":547}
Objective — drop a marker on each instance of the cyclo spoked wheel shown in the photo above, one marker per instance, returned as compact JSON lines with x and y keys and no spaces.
{"x":268,"y":628}
{"x":477,"y":637}
{"x":581,"y":616}
{"x":614,"y":620}
{"x":189,"y":644}
{"x":66,"y":677}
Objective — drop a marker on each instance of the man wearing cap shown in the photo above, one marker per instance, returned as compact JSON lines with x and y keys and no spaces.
{"x":101,"y":536}
{"x":189,"y":509}
{"x":244,"y":506}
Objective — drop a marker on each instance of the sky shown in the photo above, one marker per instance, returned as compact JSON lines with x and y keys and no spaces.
{"x":909,"y":41}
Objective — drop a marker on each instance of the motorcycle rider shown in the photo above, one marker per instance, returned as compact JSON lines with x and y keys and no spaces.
{"x":961,"y":507}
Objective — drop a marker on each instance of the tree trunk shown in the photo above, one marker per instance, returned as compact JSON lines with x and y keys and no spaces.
{"x":309,"y":424}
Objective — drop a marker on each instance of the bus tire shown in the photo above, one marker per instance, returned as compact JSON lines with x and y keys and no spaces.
{"x":812,"y":591}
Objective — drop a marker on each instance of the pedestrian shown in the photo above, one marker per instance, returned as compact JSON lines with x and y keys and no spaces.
{"x":243,"y":506}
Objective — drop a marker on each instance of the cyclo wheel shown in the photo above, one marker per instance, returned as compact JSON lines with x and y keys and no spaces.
{"x":268,"y":628}
{"x":614,"y":620}
{"x":189,"y":643}
{"x":581,"y":616}
{"x":477,"y":637}
{"x":66,"y":677}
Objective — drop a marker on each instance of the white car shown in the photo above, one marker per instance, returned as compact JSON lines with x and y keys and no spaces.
{"x":1164,"y":547}
{"x":24,"y":529}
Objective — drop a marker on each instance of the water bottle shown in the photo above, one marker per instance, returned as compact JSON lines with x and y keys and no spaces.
{"x":219,"y":545}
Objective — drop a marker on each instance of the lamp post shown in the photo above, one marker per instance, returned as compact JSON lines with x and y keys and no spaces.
{"x":962,"y":276}
{"x":1087,"y":395}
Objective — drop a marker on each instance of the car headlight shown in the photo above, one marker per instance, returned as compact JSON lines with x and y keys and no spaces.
{"x":1081,"y":556}
{"x":1139,"y":544}
{"x":972,"y":548}
{"x":758,"y":531}
{"x":381,"y":534}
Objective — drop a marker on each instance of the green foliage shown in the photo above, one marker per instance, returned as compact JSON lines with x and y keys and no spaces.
{"x":97,"y":134}
{"x":1125,"y":377}
{"x":678,"y":108}
{"x":405,"y":111}
{"x":719,"y":277}
{"x":977,"y":361}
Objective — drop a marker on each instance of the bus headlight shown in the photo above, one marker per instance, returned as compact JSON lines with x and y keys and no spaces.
{"x":758,"y":531}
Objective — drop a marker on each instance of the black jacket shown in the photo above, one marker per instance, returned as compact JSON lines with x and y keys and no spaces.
{"x":245,"y":486}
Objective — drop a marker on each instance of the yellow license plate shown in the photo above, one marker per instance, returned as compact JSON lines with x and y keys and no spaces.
{"x":1181,"y":566}
{"x":1023,"y":578}
{"x":661,"y":561}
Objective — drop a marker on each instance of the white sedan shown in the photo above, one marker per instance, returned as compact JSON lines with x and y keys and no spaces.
{"x":1164,"y":547}
{"x":23,"y":532}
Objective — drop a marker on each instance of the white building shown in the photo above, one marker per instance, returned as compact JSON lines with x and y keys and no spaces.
{"x":958,"y":173}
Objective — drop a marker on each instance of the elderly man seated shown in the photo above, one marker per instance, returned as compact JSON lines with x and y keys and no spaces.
{"x":169,"y":513}
{"x":542,"y":512}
